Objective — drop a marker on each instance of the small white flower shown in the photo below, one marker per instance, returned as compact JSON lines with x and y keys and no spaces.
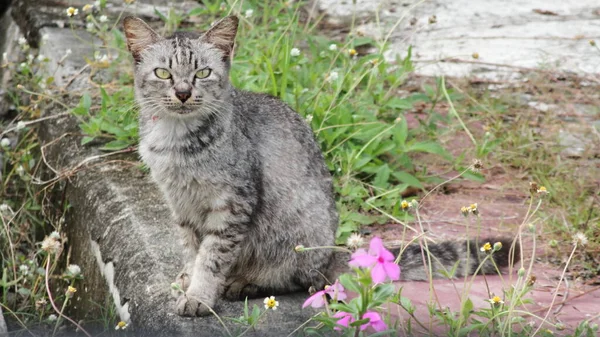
{"x":121,"y":325}
{"x":24,"y":269}
{"x":74,"y":270}
{"x":4,"y":208}
{"x":248,"y":13}
{"x":271,"y":303}
{"x":103,"y":18}
{"x":4,"y":57}
{"x":295,"y":52}
{"x":333,"y":47}
{"x":580,"y":238}
{"x":72,"y":11}
{"x":97,"y":3}
{"x":42,"y":85}
{"x":68,"y":52}
{"x":89,"y":26}
{"x":309,"y":118}
{"x":87,"y":8}
{"x":45,"y":37}
{"x":30,"y":58}
{"x":5,"y":142}
{"x":22,"y":41}
{"x":52,"y":317}
{"x":20,"y":125}
{"x":333,"y":76}
{"x":41,"y":58}
{"x":55,"y":235}
{"x":20,"y":170}
{"x":355,"y":241}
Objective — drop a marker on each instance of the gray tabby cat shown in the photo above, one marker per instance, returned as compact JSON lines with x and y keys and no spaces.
{"x":241,"y":172}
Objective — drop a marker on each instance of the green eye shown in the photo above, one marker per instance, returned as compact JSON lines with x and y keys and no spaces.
{"x":162,"y":73}
{"x":204,"y":73}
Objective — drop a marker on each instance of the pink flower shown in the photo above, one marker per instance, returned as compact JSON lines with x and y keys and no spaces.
{"x":345,"y":318}
{"x":318,"y":299}
{"x":380,"y":259}
{"x":374,"y":320}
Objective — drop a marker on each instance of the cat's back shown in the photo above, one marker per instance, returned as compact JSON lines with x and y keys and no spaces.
{"x":277,"y":131}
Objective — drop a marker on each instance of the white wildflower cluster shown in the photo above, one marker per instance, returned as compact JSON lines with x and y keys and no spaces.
{"x":295,"y":52}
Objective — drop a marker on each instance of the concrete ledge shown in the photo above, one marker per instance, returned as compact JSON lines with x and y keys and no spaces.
{"x":119,"y":230}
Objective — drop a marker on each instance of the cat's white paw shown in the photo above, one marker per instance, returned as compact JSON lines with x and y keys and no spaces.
{"x":190,"y":305}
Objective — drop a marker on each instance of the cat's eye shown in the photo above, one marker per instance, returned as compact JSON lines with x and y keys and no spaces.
{"x":162,"y":73}
{"x":204,"y":73}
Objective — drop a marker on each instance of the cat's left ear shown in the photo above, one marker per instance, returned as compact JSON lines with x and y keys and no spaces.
{"x":139,"y":36}
{"x":222,"y":34}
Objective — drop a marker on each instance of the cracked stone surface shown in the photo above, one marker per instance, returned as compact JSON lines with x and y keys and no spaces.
{"x":508,"y":36}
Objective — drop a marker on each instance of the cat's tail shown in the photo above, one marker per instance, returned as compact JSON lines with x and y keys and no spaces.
{"x":455,"y":258}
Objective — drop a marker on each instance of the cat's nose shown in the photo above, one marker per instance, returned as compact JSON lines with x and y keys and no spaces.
{"x":183,"y":95}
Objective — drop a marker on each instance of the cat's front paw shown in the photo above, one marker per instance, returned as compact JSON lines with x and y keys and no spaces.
{"x":190,"y":305}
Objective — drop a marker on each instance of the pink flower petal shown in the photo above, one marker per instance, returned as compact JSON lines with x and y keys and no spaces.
{"x":336,"y":291}
{"x":378,"y":274}
{"x":361,"y":259}
{"x":386,"y":255}
{"x":375,"y":246}
{"x":374,"y":320}
{"x":317,"y":300}
{"x":344,"y":319}
{"x":392,"y":270}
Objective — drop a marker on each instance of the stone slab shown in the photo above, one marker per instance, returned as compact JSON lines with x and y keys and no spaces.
{"x":508,"y":36}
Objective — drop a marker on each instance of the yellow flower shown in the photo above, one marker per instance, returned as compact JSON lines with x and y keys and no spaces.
{"x":486,"y":247}
{"x":475,"y":55}
{"x":87,"y":8}
{"x":592,"y":43}
{"x":542,"y":190}
{"x":72,"y":289}
{"x":352,"y":52}
{"x":72,"y":11}
{"x":404,"y":204}
{"x":465,"y":211}
{"x":496,"y":300}
{"x":270,"y":303}
{"x":121,"y":326}
{"x":473,"y":209}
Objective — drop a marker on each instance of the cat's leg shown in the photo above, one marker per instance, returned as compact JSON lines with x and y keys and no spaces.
{"x":220,"y":246}
{"x":190,"y":250}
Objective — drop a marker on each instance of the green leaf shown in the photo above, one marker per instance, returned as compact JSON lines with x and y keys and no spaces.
{"x":360,"y":322}
{"x":115,"y":145}
{"x":196,"y":11}
{"x":349,"y":283}
{"x":430,"y":147}
{"x":407,"y":304}
{"x":382,"y":294}
{"x":466,"y":310}
{"x":86,"y":140}
{"x":360,"y":218}
{"x":24,"y":291}
{"x":382,"y":176}
{"x":399,"y":103}
{"x":160,"y":15}
{"x":407,"y":178}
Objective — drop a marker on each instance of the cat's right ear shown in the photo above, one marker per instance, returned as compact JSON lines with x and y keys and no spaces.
{"x":139,"y":36}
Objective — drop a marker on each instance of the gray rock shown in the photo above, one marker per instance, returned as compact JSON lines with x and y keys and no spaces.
{"x":3,"y":328}
{"x":119,"y":230}
{"x":509,"y":36}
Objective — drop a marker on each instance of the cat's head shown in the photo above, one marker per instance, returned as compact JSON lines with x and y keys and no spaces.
{"x":184,"y":74}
